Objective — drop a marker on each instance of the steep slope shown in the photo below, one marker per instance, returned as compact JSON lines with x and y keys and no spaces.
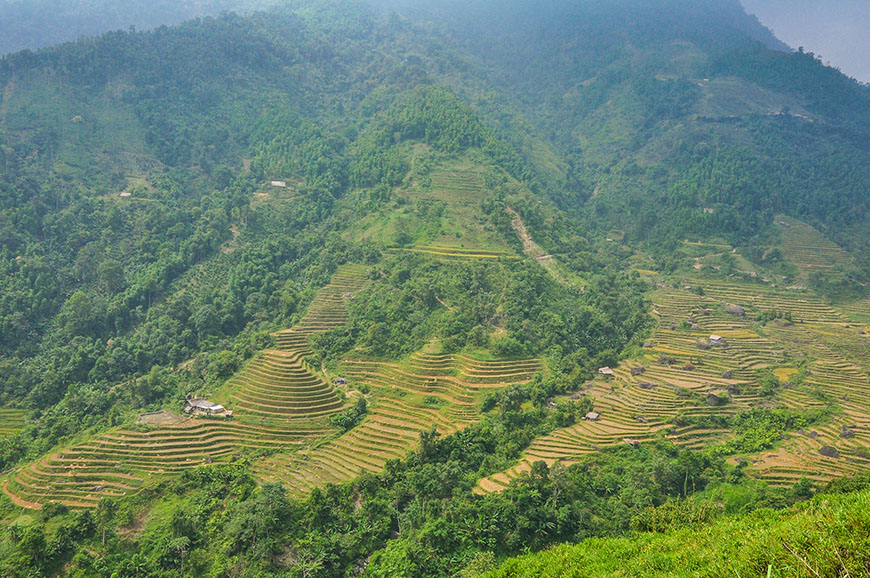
{"x":655,"y":118}
{"x":119,"y":462}
{"x":821,"y":538}
{"x":460,"y":219}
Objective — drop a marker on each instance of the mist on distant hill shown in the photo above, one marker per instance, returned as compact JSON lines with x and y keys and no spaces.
{"x":32,"y":24}
{"x":835,"y":29}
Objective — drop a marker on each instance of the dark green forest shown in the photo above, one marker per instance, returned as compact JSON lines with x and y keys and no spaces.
{"x":145,"y":256}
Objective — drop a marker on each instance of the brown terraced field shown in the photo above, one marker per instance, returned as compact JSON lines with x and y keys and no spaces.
{"x":641,"y":406}
{"x":277,"y":400}
{"x":423,"y":391}
{"x":808,"y":248}
{"x":278,"y":384}
{"x":458,"y":253}
{"x":119,"y":462}
{"x":280,"y":405}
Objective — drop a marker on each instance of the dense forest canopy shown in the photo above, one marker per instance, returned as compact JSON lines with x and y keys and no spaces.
{"x":467,"y":210}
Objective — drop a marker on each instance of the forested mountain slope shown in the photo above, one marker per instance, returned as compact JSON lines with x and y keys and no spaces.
{"x":656,"y":111}
{"x":33,"y":24}
{"x":398,"y":244}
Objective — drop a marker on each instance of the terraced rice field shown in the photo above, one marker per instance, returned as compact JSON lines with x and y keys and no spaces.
{"x":118,"y":462}
{"x":11,"y":421}
{"x":457,"y":187}
{"x":278,"y":384}
{"x":808,"y":248}
{"x":461,"y":231}
{"x":278,"y":401}
{"x":454,"y":253}
{"x":804,"y":306}
{"x":848,"y":384}
{"x":858,"y":311}
{"x":637,"y":406}
{"x":424,"y":391}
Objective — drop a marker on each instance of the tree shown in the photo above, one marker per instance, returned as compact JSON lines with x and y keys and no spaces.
{"x":32,"y":547}
{"x":180,"y":547}
{"x":107,"y":509}
{"x":206,"y":321}
{"x":111,"y":275}
{"x":79,"y":315}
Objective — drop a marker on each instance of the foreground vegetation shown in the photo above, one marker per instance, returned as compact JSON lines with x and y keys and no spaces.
{"x":417,"y":518}
{"x":827,"y":536}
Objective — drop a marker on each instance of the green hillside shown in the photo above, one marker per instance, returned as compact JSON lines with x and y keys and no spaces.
{"x":404,"y":290}
{"x":824,"y":537}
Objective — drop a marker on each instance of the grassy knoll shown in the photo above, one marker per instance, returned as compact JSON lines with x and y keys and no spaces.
{"x":827,"y":536}
{"x":438,"y":211}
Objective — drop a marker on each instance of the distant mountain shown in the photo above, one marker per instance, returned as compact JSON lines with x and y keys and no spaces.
{"x":32,"y":24}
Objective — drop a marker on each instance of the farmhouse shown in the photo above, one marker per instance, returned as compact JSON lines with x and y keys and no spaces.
{"x":606,"y":371}
{"x":279,"y":184}
{"x":339,"y":381}
{"x":200,"y":405}
{"x":593,"y":416}
{"x":717,"y":340}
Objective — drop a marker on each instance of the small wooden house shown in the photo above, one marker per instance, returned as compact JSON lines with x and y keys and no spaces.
{"x":279,"y":184}
{"x":606,"y":372}
{"x":200,"y":405}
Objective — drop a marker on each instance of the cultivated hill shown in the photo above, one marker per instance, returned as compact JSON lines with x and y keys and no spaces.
{"x":426,"y":256}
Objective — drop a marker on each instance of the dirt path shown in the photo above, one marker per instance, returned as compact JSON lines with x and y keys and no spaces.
{"x":18,"y":501}
{"x":449,"y":308}
{"x":534,"y":250}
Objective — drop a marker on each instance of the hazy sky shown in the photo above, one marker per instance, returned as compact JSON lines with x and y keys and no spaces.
{"x":838,"y":30}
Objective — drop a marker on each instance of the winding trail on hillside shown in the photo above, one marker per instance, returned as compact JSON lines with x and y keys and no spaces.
{"x":533,"y":250}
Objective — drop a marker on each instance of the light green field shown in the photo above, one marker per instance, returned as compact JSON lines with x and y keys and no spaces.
{"x":11,"y":421}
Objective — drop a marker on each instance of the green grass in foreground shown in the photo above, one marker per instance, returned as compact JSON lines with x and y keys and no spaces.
{"x":827,"y":536}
